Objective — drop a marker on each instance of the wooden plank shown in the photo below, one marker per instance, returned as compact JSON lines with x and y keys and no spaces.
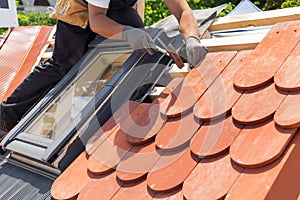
{"x":264,"y":18}
{"x":234,"y":43}
{"x":175,"y":72}
{"x":46,"y":56}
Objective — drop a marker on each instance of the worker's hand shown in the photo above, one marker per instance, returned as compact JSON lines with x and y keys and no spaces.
{"x":195,"y":50}
{"x":138,"y":39}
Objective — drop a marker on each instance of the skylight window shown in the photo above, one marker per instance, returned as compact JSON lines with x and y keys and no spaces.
{"x":64,"y":109}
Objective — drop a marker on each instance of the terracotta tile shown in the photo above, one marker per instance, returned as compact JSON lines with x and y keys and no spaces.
{"x":268,"y":56}
{"x":137,"y":162}
{"x":97,"y":167}
{"x":100,"y":187}
{"x":39,"y":43}
{"x":171,"y":98}
{"x":112,"y":125}
{"x":175,"y":194}
{"x":20,"y":42}
{"x":288,"y":114}
{"x":109,"y":153}
{"x":143,"y":123}
{"x":72,"y":180}
{"x":257,"y":105}
{"x":278,"y":180}
{"x":146,"y":120}
{"x":171,"y":171}
{"x":214,"y":138}
{"x":221,"y":95}
{"x":197,"y":82}
{"x":287,"y":77}
{"x":177,"y":132}
{"x":261,"y":144}
{"x":136,"y":191}
{"x":6,"y":76}
{"x":176,"y":100}
{"x":211,"y":178}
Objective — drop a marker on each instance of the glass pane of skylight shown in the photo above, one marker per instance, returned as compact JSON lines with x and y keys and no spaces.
{"x":61,"y":112}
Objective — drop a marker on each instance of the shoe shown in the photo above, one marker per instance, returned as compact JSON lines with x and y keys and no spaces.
{"x":5,"y":127}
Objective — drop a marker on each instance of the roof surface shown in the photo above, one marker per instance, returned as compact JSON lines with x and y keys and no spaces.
{"x":14,"y":69}
{"x":226,"y":130}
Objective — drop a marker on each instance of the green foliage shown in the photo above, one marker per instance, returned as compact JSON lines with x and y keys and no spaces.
{"x":3,"y":30}
{"x":34,"y":19}
{"x":272,"y":4}
{"x":290,"y":3}
{"x":156,"y":10}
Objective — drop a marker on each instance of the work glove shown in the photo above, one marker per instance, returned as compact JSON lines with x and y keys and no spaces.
{"x":195,"y":50}
{"x":138,"y":39}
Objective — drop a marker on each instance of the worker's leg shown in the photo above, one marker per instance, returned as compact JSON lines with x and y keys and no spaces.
{"x":70,"y":45}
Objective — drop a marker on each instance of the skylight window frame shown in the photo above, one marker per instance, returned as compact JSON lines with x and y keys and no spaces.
{"x":63,"y":151}
{"x":19,"y":141}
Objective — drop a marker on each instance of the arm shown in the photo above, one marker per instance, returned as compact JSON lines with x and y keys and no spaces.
{"x":138,"y":39}
{"x":187,"y":23}
{"x":103,"y":25}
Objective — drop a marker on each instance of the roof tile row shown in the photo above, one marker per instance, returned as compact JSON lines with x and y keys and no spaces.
{"x":226,"y":130}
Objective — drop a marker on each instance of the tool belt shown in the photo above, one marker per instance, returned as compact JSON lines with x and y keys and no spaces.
{"x":75,"y":12}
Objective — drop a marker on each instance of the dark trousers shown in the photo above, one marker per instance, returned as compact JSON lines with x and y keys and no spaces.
{"x":71,"y":43}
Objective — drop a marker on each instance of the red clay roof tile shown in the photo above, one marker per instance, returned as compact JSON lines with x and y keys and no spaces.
{"x":136,"y":191}
{"x":110,"y":152}
{"x":221,"y":96}
{"x":99,"y":167}
{"x":288,"y":114}
{"x":190,"y":158}
{"x":139,"y":129}
{"x":257,"y":105}
{"x":287,"y":77}
{"x":276,"y":181}
{"x":14,"y":69}
{"x":110,"y":126}
{"x":268,"y":56}
{"x":146,"y":120}
{"x":197,"y":82}
{"x":177,"y":132}
{"x":214,"y":138}
{"x":171,"y":173}
{"x":70,"y":183}
{"x":143,"y":157}
{"x":211,"y":178}
{"x":96,"y":187}
{"x":260,"y":144}
{"x":175,"y":194}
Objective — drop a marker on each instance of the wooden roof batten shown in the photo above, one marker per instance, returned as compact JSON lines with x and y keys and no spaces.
{"x":250,"y":40}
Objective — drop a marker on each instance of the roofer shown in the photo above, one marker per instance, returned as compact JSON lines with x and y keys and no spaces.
{"x":78,"y":22}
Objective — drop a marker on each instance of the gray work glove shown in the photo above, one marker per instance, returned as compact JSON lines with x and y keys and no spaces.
{"x":138,"y":39}
{"x":195,"y":50}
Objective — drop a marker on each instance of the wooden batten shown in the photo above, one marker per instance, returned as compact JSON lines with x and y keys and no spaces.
{"x":264,"y":18}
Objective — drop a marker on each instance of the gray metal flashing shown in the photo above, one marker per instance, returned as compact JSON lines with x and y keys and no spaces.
{"x":18,"y":183}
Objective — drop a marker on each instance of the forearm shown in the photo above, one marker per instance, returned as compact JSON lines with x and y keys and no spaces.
{"x":187,"y":23}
